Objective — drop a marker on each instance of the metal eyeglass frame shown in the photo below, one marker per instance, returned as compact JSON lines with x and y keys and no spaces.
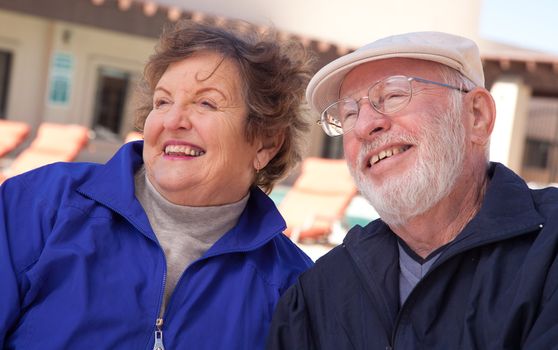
{"x":326,"y":125}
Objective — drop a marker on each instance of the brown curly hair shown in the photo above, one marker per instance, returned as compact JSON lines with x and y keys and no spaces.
{"x":274,"y":73}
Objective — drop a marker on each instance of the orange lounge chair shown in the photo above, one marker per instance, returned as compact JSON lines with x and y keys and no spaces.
{"x":318,"y":199}
{"x":12,"y":134}
{"x":53,"y":143}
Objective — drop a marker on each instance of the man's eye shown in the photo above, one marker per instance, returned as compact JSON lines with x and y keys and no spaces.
{"x":395,"y":95}
{"x":349,"y":115}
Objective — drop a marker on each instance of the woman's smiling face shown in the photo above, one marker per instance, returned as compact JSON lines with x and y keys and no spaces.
{"x":195,"y":149}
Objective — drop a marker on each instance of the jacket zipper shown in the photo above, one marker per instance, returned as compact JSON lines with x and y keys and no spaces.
{"x":158,"y":333}
{"x":158,"y":345}
{"x":158,"y":339}
{"x":158,"y":342}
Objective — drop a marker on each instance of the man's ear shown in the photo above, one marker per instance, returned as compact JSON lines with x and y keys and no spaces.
{"x":482,"y":111}
{"x":268,"y":146}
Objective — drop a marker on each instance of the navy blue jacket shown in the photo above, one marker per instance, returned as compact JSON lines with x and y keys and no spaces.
{"x":494,"y":287}
{"x":80,"y":267}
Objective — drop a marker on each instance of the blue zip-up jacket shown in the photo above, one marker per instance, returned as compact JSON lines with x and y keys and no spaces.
{"x":494,"y":287}
{"x":80,"y":267}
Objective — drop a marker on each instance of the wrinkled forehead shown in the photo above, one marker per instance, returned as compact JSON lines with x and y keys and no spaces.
{"x":359,"y":79}
{"x":205,"y":69}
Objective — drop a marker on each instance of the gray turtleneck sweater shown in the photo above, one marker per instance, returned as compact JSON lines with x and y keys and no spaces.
{"x":185,"y":233}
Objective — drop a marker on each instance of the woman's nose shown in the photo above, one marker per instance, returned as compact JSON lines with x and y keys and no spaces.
{"x":177,"y":117}
{"x":370,"y":122}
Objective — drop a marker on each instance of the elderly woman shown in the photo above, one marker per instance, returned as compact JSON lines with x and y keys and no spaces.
{"x":171,"y":243}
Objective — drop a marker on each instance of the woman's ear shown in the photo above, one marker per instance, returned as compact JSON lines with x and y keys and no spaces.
{"x":482,"y":111}
{"x":268,"y":146}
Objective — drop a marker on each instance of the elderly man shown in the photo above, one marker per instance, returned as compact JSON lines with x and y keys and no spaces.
{"x":464,"y":255}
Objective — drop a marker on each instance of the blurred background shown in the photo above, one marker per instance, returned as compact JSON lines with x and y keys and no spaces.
{"x":78,"y":61}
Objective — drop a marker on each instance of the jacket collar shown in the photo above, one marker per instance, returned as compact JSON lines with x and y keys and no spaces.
{"x":112,"y":185}
{"x":508,"y":210}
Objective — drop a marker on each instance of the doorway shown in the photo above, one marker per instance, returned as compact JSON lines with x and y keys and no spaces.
{"x":5,"y":71}
{"x":112,"y":92}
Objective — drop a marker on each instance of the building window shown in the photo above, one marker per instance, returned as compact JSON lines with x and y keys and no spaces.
{"x":540,"y":157}
{"x":5,"y":69}
{"x":112,"y":91}
{"x":536,"y":153}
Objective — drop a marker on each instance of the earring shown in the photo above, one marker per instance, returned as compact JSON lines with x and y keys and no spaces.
{"x":258,"y":166}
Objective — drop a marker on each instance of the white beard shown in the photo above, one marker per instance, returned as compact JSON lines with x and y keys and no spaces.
{"x":439,"y":162}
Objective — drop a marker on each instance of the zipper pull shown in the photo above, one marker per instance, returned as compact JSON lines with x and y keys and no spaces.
{"x":158,"y":345}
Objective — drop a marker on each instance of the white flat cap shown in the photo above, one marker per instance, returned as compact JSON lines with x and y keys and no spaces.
{"x":451,"y":50}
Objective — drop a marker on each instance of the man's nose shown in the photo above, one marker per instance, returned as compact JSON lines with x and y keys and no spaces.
{"x":370,"y":122}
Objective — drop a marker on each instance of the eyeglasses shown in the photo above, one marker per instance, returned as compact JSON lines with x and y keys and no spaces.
{"x":386,"y":96}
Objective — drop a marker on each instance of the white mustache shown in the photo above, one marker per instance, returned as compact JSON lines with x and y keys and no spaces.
{"x":380,"y":142}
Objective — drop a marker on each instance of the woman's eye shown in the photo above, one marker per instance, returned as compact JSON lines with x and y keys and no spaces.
{"x":159,"y":103}
{"x":208,"y":104}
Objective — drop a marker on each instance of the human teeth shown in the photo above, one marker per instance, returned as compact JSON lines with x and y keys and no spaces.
{"x":382,"y":154}
{"x":387,"y":153}
{"x":183,"y":150}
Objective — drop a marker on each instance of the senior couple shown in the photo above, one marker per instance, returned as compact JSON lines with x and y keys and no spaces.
{"x":174,"y":244}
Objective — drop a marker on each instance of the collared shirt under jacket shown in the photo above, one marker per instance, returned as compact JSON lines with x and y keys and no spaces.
{"x":80,"y":267}
{"x":494,"y":287}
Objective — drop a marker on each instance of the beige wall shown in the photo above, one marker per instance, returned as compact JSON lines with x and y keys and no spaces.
{"x":28,"y":39}
{"x":92,"y":49}
{"x":33,"y":42}
{"x":511,"y":96}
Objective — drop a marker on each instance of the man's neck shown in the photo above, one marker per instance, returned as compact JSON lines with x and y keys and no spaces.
{"x":445,"y":220}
